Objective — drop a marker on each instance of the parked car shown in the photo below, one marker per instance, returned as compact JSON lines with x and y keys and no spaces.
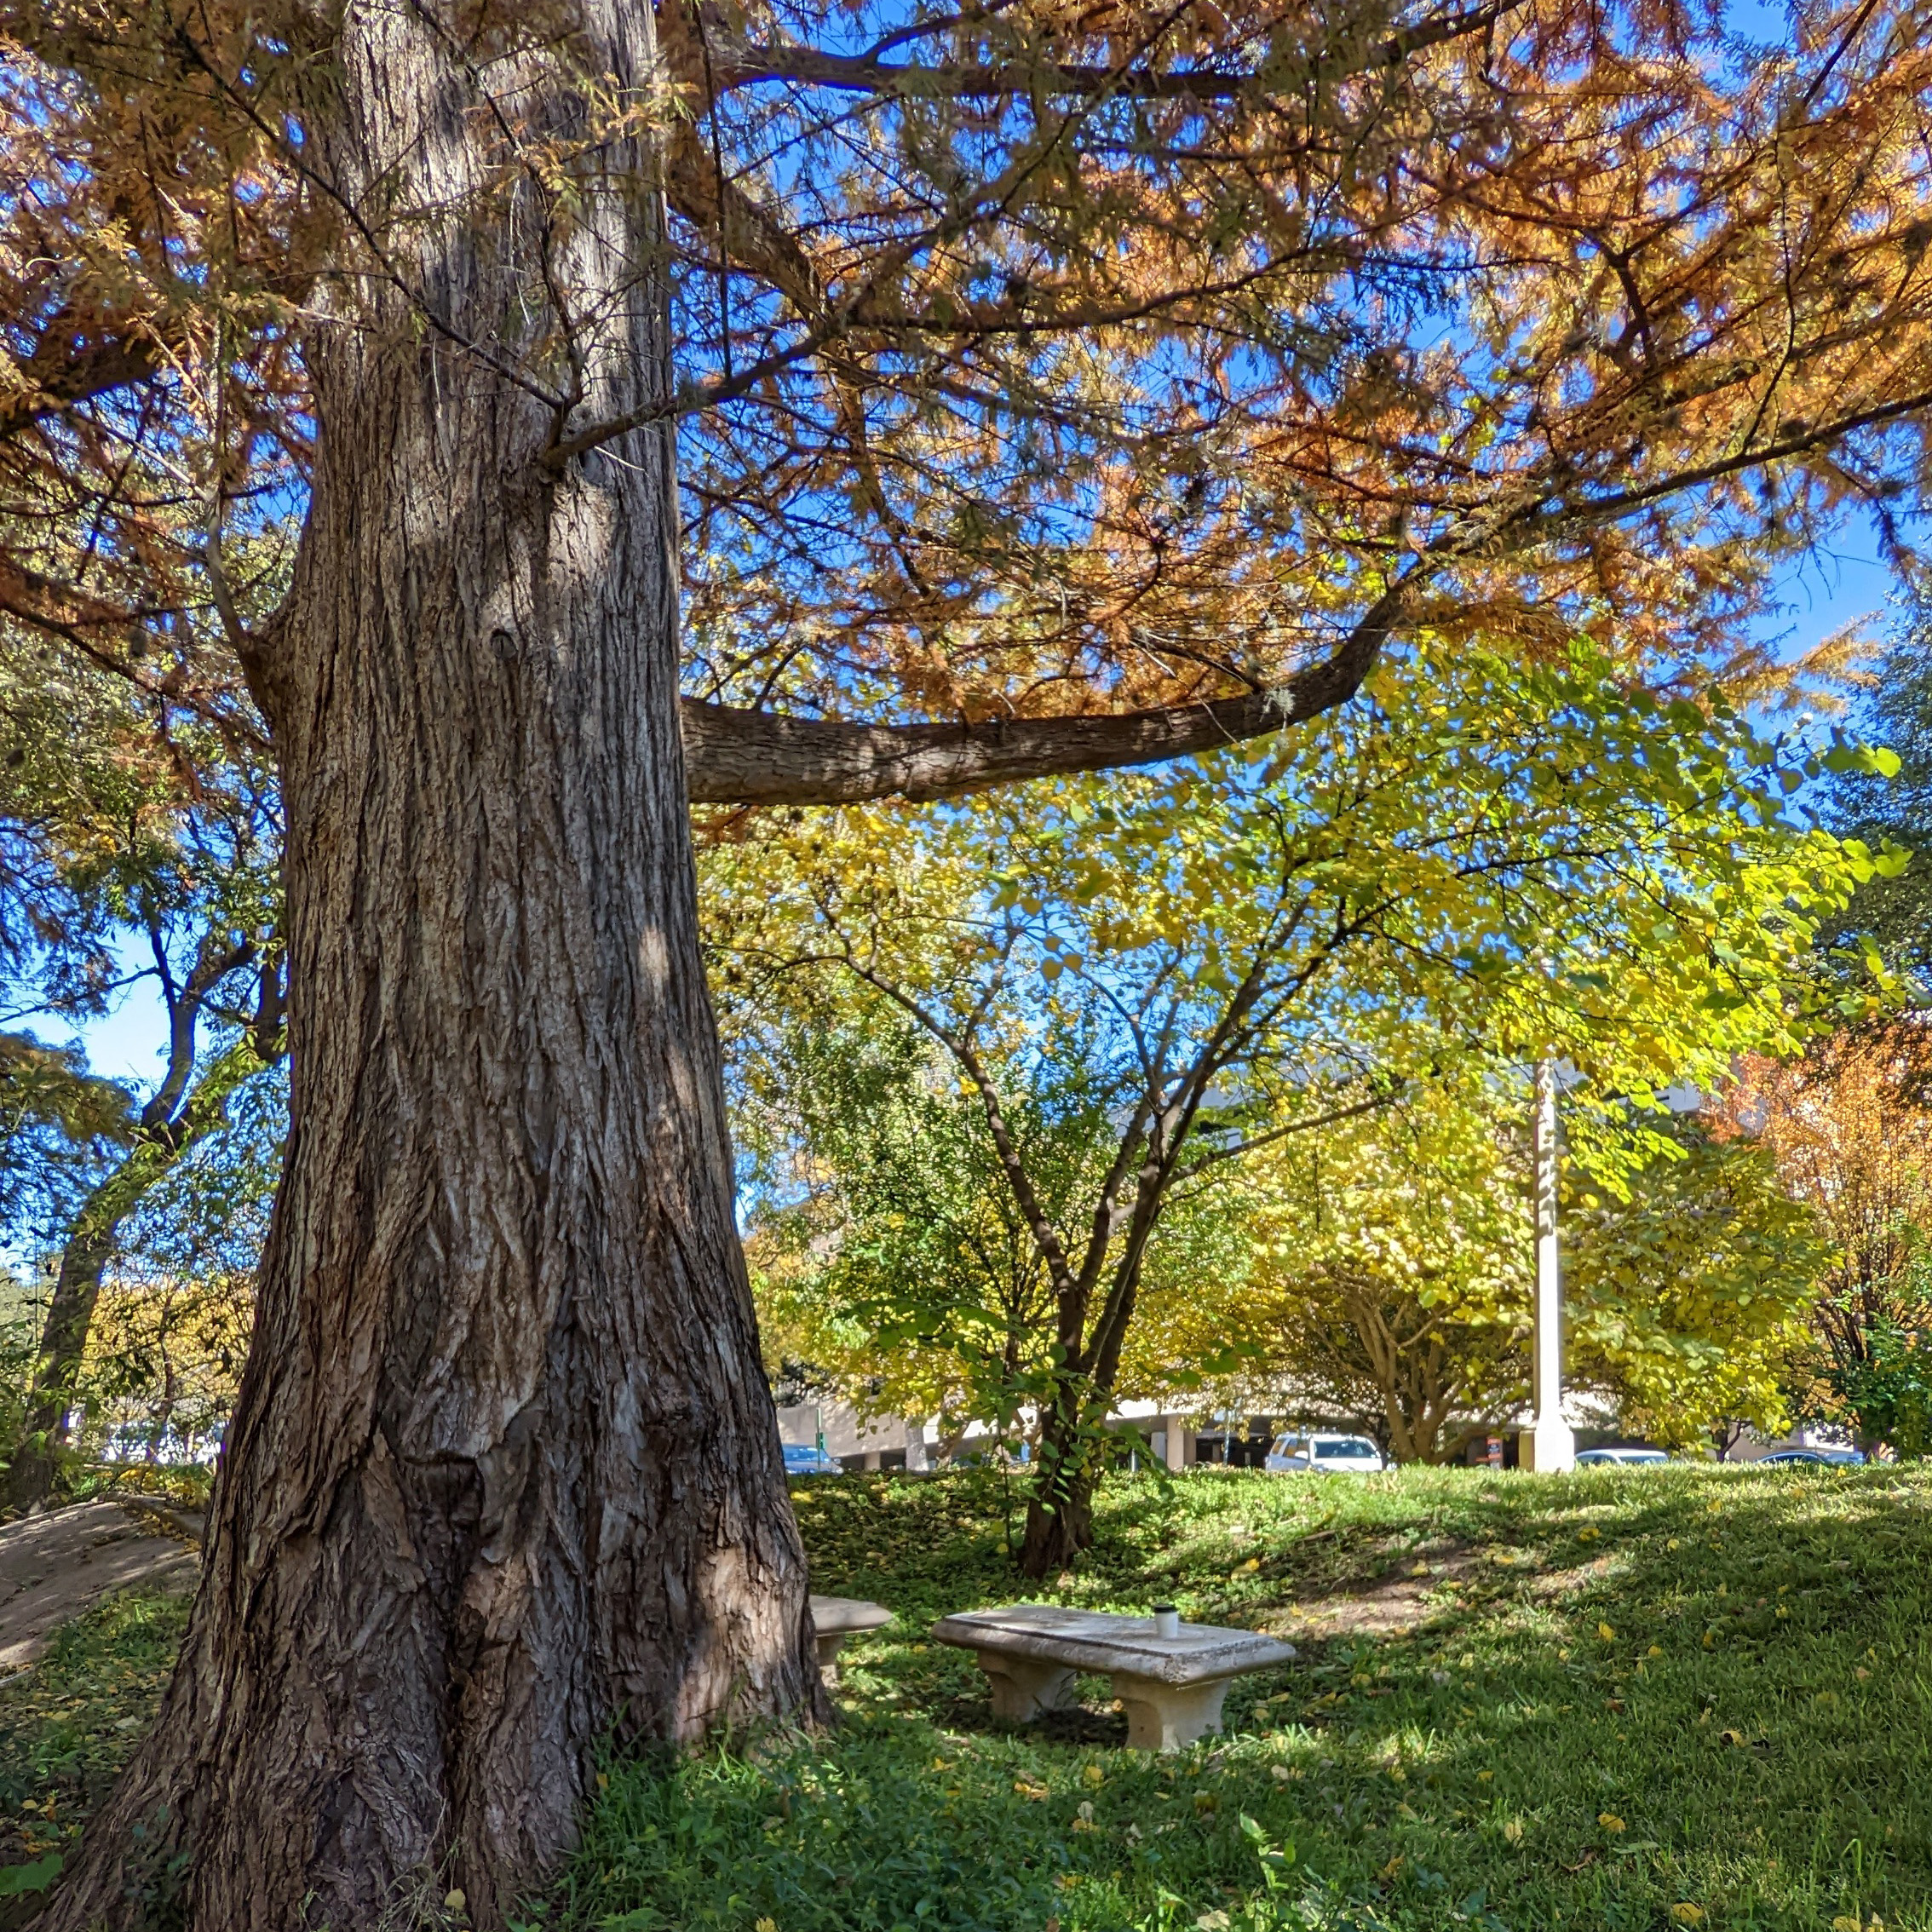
{"x":1585,"y":1456}
{"x":1836,"y":1458}
{"x":801,"y":1459}
{"x":1324,"y":1455}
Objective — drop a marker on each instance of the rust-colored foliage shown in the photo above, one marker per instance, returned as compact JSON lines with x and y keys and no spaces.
{"x":1850,"y":1128}
{"x":1041,"y":359}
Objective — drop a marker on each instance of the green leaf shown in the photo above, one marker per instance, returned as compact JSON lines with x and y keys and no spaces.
{"x":15,"y":1880}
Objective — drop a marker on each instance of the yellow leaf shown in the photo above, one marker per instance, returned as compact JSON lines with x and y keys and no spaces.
{"x":1671,"y":1544}
{"x":1513,"y":1830}
{"x":1092,"y":1774}
{"x":1734,"y":1738}
{"x":1604,"y":1631}
{"x":1655,"y":1650}
{"x":454,"y":1900}
{"x":1687,"y":1914}
{"x":1389,"y":1869}
{"x":1610,"y":1821}
{"x":1843,"y":1922}
{"x":767,"y":1925}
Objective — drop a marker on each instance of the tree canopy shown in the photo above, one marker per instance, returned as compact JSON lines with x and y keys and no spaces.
{"x":1038,"y":373}
{"x":1136,"y":983}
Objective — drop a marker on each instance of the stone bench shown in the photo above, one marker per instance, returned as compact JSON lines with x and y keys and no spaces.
{"x":834,"y":1618}
{"x":1171,"y":1687}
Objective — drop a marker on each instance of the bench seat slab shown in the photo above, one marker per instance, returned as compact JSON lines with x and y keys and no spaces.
{"x":1171,"y":1687}
{"x":834,"y":1618}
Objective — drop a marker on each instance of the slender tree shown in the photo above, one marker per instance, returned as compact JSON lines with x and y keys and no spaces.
{"x":1055,"y":391}
{"x":1228,"y":962}
{"x":106,"y":842}
{"x":1849,"y":1129}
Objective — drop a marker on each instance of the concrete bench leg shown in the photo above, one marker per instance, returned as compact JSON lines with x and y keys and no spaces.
{"x":1023,"y":1686}
{"x":829,"y":1641}
{"x":1162,"y":1716}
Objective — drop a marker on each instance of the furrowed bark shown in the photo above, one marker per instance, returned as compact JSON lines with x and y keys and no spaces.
{"x":503,"y":1476}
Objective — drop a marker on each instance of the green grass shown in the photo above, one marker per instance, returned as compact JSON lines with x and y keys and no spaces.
{"x":68,"y":1724}
{"x":1750,"y":1747}
{"x":1457,"y":1773}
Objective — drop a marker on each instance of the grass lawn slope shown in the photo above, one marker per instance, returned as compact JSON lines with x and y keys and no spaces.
{"x":1623,"y":1699}
{"x":1619,"y":1699}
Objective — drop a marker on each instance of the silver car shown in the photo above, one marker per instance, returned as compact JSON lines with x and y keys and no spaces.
{"x":1324,"y":1455}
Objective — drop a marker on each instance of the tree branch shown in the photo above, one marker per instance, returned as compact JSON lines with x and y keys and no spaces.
{"x":739,"y":757}
{"x":865,"y":73}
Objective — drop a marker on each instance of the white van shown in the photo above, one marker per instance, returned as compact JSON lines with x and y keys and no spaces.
{"x":1324,"y":1455}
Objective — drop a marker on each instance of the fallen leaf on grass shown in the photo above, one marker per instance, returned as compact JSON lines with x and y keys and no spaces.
{"x":1610,"y":1821}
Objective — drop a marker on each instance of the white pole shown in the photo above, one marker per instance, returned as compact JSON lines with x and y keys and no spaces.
{"x":1551,"y":1445}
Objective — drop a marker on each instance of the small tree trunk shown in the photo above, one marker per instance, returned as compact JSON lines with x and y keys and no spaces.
{"x":1060,"y":1509}
{"x":503,"y":1476}
{"x":1059,"y":1529}
{"x":34,"y":1467}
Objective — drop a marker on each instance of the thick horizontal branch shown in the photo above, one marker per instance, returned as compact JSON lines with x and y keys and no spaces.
{"x":62,"y":373}
{"x":739,"y":757}
{"x":740,"y":66}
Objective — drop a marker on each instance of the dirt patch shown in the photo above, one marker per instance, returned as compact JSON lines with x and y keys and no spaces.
{"x":1407,"y":1597}
{"x":55,"y":1567}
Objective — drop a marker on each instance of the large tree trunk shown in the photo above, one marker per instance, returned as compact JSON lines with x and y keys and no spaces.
{"x":503,"y":1472}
